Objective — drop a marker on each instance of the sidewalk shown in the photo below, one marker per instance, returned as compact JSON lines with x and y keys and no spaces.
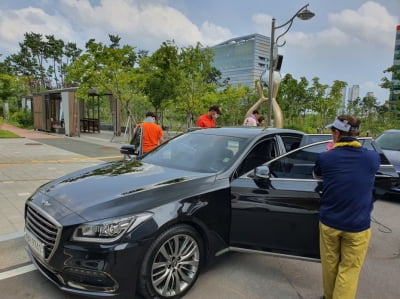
{"x":27,"y":133}
{"x":38,"y":157}
{"x":29,"y":162}
{"x":104,"y":137}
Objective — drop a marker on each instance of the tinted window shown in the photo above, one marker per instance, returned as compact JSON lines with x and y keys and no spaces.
{"x":389,"y":141}
{"x":298,"y":164}
{"x":197,"y":152}
{"x":313,"y":138}
{"x":291,"y":142}
{"x":261,"y":153}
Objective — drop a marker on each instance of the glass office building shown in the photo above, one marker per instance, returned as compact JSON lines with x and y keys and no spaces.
{"x":395,"y":94}
{"x":242,"y":59}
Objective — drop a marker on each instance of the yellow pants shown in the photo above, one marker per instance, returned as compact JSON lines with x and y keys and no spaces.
{"x":342,"y":256}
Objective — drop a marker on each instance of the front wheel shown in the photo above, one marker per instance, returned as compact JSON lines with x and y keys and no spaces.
{"x":172,"y":263}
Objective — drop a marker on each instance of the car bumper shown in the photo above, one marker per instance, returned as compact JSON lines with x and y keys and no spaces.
{"x":103,"y":272}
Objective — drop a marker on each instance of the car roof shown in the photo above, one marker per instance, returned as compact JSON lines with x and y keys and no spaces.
{"x":244,"y":132}
{"x":392,"y":131}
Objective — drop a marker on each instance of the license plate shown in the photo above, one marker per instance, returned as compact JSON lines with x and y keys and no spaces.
{"x":34,"y":243}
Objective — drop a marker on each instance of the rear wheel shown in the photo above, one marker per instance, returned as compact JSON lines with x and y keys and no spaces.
{"x":172,"y":264}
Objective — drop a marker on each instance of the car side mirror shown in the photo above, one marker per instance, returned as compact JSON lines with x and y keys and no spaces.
{"x":128,"y":151}
{"x":262,"y":172}
{"x":262,"y":177}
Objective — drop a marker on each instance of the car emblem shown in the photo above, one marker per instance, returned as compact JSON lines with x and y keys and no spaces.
{"x":45,"y":203}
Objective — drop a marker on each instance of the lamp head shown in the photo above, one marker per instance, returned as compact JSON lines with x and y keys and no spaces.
{"x":305,"y":14}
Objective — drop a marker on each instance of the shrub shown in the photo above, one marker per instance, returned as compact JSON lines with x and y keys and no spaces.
{"x":23,"y":117}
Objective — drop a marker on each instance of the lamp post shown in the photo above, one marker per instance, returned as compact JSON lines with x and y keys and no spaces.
{"x":303,"y":14}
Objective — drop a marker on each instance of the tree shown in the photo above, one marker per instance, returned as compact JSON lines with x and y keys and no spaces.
{"x":234,"y":102}
{"x":161,"y":73}
{"x":70,"y":54}
{"x":11,"y":89}
{"x":37,"y":48}
{"x":394,"y":84}
{"x":292,"y":98}
{"x":197,"y":78}
{"x":54,"y":51}
{"x":107,"y":69}
{"x":325,"y":100}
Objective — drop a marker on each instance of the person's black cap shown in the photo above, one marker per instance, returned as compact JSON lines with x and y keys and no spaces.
{"x":216,"y":108}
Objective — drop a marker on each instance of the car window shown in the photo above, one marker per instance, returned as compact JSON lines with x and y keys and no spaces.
{"x":314,"y":138}
{"x":291,"y":142}
{"x":258,"y":155}
{"x":389,"y":141}
{"x":197,"y":152}
{"x":298,"y":164}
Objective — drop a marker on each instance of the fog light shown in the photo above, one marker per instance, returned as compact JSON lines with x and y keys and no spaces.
{"x":91,"y":280}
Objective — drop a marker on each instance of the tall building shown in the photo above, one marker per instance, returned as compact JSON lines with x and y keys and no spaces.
{"x":354,"y":93}
{"x":370,"y":94}
{"x":395,"y":94}
{"x":342,"y":108}
{"x":242,"y":59}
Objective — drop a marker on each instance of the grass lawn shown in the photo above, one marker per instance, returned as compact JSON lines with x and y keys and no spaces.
{"x":7,"y":134}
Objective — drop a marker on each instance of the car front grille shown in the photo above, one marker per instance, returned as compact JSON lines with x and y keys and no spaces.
{"x":44,"y":228}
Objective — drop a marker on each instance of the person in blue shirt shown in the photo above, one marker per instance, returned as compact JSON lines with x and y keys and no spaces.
{"x":348,"y":173}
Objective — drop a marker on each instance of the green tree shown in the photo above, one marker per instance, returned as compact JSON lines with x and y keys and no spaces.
{"x":392,"y":84}
{"x":161,"y":73}
{"x":234,"y":102}
{"x":11,"y":89}
{"x":70,"y":53}
{"x":292,"y":98}
{"x":325,"y":100}
{"x":24,"y":65}
{"x":54,"y":51}
{"x":107,"y":69}
{"x":197,"y":78}
{"x":37,"y":48}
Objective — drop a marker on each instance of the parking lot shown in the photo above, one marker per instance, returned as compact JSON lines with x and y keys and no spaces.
{"x":27,"y":163}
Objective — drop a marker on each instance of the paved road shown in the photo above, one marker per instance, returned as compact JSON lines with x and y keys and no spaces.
{"x":25,"y":164}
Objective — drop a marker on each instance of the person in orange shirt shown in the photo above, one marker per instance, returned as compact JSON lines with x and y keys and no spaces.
{"x":152,"y":134}
{"x":208,"y":120}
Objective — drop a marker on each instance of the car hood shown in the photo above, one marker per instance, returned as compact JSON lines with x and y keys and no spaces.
{"x":394,"y":158}
{"x":119,"y":188}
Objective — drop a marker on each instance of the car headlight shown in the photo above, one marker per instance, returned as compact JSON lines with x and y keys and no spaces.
{"x":108,"y":230}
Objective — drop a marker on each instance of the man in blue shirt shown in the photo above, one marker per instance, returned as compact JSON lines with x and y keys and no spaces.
{"x":348,"y":173}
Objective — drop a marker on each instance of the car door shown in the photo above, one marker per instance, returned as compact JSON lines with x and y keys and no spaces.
{"x":275,"y":207}
{"x":280,"y":213}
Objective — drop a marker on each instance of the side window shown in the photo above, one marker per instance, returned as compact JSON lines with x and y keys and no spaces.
{"x":260,"y":154}
{"x":291,"y":142}
{"x":298,"y":164}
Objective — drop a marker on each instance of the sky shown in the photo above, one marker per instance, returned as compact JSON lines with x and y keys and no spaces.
{"x":347,"y":40}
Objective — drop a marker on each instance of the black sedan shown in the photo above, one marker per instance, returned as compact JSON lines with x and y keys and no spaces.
{"x":150,"y":224}
{"x":389,"y":141}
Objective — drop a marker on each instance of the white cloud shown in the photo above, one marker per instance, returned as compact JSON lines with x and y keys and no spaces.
{"x":14,"y":23}
{"x":213,"y":34}
{"x":143,"y":24}
{"x":262,"y":23}
{"x":371,"y":24}
{"x":367,"y":29}
{"x":140,"y":23}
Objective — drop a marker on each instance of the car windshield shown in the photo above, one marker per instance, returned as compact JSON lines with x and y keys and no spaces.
{"x":389,"y":141}
{"x":197,"y":152}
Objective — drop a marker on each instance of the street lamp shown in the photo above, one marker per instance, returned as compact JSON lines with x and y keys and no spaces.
{"x":303,"y":14}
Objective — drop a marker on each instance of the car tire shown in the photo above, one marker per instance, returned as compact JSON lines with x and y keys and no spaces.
{"x":172,"y":263}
